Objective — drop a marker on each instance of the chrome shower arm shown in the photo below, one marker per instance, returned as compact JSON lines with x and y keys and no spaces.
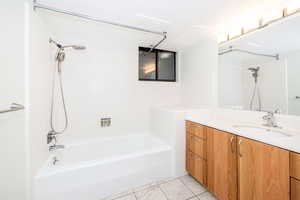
{"x":161,"y":41}
{"x":231,"y":49}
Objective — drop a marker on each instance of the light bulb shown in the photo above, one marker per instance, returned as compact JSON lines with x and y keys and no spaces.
{"x":292,"y":6}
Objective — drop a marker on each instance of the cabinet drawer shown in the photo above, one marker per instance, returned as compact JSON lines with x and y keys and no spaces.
{"x":197,"y":145}
{"x":196,"y":129}
{"x":197,"y":167}
{"x":295,"y":189}
{"x":295,"y":165}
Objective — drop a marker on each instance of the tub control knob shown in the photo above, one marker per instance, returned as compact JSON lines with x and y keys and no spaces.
{"x":105,"y":122}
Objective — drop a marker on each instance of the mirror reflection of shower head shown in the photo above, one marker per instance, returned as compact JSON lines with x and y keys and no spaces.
{"x":254,"y":72}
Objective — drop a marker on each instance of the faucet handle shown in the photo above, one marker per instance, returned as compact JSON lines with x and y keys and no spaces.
{"x":55,"y":160}
{"x":269,"y":112}
{"x":277,"y":111}
{"x":268,"y":116}
{"x":51,"y":136}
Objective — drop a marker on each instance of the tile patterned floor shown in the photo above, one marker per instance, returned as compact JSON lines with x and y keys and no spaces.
{"x":182,"y":188}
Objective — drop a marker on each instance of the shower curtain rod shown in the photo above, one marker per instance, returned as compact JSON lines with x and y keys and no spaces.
{"x":87,"y":17}
{"x":231,"y":49}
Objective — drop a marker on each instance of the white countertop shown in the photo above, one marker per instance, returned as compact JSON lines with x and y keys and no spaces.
{"x":226,"y":123}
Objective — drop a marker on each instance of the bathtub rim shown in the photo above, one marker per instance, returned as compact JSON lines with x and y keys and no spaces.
{"x":45,"y":170}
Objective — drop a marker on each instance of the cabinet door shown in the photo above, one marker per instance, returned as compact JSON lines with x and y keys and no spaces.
{"x":196,"y":145}
{"x":263,"y":171}
{"x":196,"y":129}
{"x":295,"y":165}
{"x":295,"y":189}
{"x":222,"y":164}
{"x":196,"y":167}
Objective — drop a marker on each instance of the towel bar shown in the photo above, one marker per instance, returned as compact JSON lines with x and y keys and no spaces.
{"x":13,"y":107}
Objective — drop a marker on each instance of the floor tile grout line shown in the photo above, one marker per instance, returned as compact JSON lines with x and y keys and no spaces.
{"x":135,"y":196}
{"x":205,"y":188}
{"x":117,"y":197}
{"x":196,"y":195}
{"x":121,"y":196}
{"x":128,"y":193}
{"x":167,"y":181}
{"x":158,"y":185}
{"x":187,"y":187}
{"x":178,"y":178}
{"x":163,"y":192}
{"x":151,"y":188}
{"x":193,"y":198}
{"x":209,"y":194}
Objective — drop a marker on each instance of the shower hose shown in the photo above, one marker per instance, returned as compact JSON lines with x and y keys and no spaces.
{"x":53,"y":129}
{"x":255,"y":91}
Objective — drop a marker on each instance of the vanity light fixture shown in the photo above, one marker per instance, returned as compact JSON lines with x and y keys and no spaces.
{"x":262,"y":23}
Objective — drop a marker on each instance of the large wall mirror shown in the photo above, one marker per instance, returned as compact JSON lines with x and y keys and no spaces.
{"x":261,"y":70}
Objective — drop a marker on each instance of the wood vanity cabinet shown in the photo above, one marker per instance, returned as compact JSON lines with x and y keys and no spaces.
{"x":295,"y":189}
{"x":196,"y":164}
{"x":237,"y":168}
{"x":222,"y":164}
{"x":263,"y":171}
{"x":295,"y":175}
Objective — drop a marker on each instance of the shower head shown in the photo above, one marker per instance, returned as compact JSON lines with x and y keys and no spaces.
{"x":254,"y":72}
{"x":76,"y":47}
{"x":252,"y":69}
{"x":61,"y":55}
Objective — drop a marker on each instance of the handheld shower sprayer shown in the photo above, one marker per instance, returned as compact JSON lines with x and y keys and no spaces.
{"x":254,"y":72}
{"x":59,"y":58}
{"x":61,"y":55}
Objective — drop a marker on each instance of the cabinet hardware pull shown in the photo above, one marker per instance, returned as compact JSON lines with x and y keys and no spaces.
{"x":196,"y":139}
{"x":240,"y":142}
{"x":194,"y":157}
{"x":231,"y":144}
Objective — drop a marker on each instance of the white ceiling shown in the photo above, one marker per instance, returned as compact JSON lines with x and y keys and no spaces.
{"x":185,"y":21}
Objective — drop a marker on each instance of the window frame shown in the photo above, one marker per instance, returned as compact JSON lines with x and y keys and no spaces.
{"x":156,"y":65}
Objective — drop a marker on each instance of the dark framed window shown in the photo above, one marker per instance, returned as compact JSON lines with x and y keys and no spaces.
{"x":157,"y":65}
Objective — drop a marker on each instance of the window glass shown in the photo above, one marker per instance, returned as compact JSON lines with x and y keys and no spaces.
{"x":147,"y":65}
{"x":166,"y":65}
{"x":157,"y":65}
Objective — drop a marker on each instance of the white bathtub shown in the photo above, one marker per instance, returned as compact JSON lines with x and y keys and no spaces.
{"x":95,"y":169}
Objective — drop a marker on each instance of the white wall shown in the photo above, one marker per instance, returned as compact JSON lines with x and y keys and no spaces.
{"x":167,"y":123}
{"x":199,"y":74}
{"x":102,"y":81}
{"x":39,"y":77}
{"x":229,"y":85}
{"x":25,"y":79}
{"x":12,"y":125}
{"x":293,"y":71}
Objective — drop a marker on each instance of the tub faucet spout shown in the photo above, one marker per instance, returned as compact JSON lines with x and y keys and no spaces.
{"x":55,"y":147}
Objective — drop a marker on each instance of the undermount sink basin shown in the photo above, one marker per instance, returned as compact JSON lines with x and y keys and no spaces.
{"x":264,"y":130}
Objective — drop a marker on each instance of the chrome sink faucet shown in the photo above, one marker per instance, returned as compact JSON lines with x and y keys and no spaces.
{"x":270,"y":120}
